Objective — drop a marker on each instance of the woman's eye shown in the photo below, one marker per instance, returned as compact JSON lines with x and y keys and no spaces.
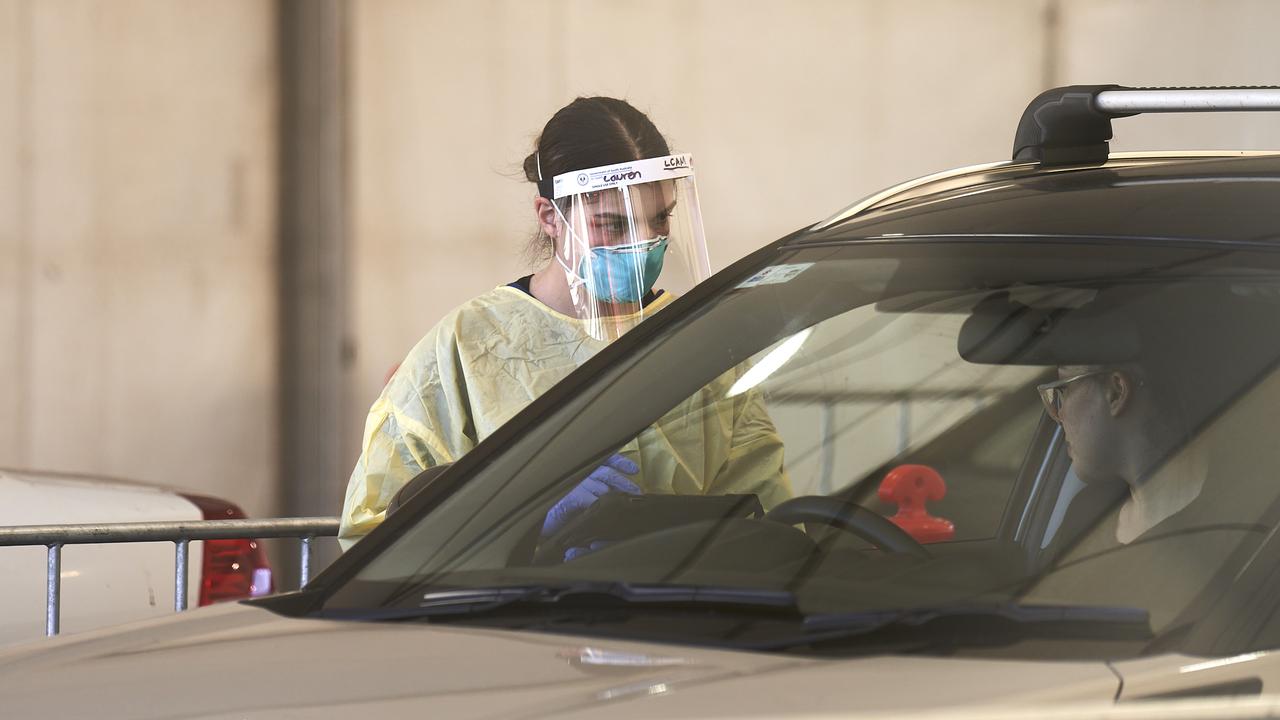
{"x":611,"y":226}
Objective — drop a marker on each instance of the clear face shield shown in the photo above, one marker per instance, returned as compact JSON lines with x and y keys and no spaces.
{"x":630,"y":234}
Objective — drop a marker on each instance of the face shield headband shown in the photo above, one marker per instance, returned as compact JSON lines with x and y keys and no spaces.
{"x":623,"y":174}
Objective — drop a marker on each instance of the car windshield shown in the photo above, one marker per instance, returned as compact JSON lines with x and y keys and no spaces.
{"x":868,"y":436}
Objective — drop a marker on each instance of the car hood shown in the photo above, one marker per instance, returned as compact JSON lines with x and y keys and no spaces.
{"x":237,"y":661}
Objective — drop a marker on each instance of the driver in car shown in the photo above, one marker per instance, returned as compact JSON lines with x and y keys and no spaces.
{"x":1157,"y":440}
{"x":1119,"y":423}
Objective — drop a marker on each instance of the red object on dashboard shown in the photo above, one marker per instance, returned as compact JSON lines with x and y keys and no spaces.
{"x":910,"y":487}
{"x":232,"y":569}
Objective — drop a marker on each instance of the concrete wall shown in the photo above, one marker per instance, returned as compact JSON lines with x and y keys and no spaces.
{"x":137,"y":202}
{"x":792,"y":110}
{"x":13,"y":256}
{"x":1166,"y":43}
{"x":137,"y":170}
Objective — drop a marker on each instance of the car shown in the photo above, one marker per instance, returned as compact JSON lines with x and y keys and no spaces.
{"x":110,"y":584}
{"x":958,"y":541}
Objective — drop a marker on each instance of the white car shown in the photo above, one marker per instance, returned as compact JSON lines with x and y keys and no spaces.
{"x":109,"y":584}
{"x":1063,"y":371}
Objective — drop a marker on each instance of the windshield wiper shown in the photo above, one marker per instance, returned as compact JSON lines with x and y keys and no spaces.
{"x":766,"y":620}
{"x":969,"y":625}
{"x":576,"y":597}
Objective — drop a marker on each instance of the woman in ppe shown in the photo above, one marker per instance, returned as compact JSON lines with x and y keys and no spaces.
{"x":621,"y":234}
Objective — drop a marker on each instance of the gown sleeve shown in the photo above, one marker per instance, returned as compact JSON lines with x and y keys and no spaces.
{"x":422,"y":419}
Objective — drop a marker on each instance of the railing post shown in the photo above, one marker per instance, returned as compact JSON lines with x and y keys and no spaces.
{"x":305,"y":574}
{"x":826,"y":481}
{"x":53,"y":591}
{"x":904,"y":425}
{"x":180,"y":574}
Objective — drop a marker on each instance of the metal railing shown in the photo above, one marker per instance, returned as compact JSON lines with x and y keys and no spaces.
{"x":179,"y":533}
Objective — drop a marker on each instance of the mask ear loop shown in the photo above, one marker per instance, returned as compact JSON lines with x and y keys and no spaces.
{"x":575,"y":280}
{"x":570,"y":275}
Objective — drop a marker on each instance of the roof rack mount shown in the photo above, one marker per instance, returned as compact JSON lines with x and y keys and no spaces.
{"x":1072,"y":125}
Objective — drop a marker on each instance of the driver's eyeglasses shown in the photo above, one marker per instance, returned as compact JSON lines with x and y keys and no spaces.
{"x":1051,"y":393}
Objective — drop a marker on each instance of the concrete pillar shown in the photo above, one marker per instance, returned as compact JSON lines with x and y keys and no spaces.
{"x":315,"y":350}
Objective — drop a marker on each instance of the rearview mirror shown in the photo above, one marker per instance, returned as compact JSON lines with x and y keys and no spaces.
{"x":1000,"y":331}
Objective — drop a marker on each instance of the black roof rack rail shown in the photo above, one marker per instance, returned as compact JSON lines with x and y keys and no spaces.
{"x":1071,"y":125}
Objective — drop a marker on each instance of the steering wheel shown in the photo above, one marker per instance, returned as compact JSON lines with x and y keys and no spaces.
{"x":851,"y":518}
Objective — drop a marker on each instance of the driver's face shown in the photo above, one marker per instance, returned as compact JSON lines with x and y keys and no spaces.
{"x":1086,"y":423}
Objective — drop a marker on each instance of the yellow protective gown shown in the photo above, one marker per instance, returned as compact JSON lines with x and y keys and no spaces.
{"x":489,"y":358}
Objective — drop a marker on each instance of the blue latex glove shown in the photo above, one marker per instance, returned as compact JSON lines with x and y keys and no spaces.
{"x":609,"y":477}
{"x":577,"y":552}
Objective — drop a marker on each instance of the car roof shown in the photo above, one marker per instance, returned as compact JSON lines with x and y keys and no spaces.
{"x":1219,"y":196}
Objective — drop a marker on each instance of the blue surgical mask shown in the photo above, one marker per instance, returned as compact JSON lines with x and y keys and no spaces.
{"x":623,"y":273}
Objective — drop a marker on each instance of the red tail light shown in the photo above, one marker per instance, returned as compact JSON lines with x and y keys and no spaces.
{"x":232,"y":569}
